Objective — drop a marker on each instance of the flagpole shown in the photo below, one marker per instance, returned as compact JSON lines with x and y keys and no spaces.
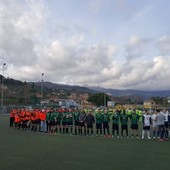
{"x":42,"y":79}
{"x":2,"y":88}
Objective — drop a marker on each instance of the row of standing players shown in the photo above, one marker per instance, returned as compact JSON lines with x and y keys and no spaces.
{"x":63,"y":120}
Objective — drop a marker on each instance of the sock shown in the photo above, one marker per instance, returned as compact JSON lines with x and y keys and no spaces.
{"x":148,"y":132}
{"x":143,"y":134}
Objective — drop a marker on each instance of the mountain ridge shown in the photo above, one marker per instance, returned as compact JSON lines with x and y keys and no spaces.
{"x":94,"y":89}
{"x":114,"y":92}
{"x":126,"y":92}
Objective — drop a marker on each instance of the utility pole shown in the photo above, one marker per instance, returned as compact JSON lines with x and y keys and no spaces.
{"x":42,"y":79}
{"x":2,"y":87}
{"x":104,"y":100}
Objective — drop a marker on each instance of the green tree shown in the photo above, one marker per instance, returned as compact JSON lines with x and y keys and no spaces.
{"x":34,"y":99}
{"x":99,"y":99}
{"x":160,"y":100}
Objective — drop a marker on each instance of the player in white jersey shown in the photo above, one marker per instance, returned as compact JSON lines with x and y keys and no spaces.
{"x":155,"y":125}
{"x":169,"y":124}
{"x":166,"y":114}
{"x":161,"y":124}
{"x":146,"y":124}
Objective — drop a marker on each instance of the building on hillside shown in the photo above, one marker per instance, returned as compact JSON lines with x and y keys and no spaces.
{"x":129,"y":106}
{"x":149,"y":104}
{"x":44,"y":102}
{"x":4,"y":87}
{"x":66,"y":103}
{"x":86,"y":105}
{"x":168,"y":99}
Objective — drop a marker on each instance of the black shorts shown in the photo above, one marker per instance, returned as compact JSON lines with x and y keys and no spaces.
{"x":124,"y":126}
{"x":69,"y":123}
{"x":12,"y":118}
{"x":166,"y":125}
{"x":33,"y":122}
{"x":47,"y":123}
{"x":55,"y":122}
{"x":98,"y":125}
{"x":105,"y":125}
{"x":64,"y":123}
{"x":52,"y":123}
{"x":38,"y":122}
{"x":76,"y":123}
{"x":89,"y":126}
{"x":24,"y":122}
{"x":146,"y":127}
{"x":81,"y":124}
{"x":115,"y":127}
{"x":134,"y":126}
{"x":58,"y":122}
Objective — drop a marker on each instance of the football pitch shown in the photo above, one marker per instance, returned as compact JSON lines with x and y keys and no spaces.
{"x":23,"y":150}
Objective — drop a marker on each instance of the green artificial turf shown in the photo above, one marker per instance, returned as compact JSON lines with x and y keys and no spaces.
{"x":23,"y":150}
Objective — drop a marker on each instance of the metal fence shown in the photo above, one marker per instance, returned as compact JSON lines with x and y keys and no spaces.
{"x":5,"y":109}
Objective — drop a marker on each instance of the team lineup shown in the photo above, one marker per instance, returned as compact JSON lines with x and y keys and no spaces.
{"x":109,"y":123}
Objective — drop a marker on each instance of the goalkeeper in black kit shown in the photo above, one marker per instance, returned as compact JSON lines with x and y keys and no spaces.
{"x":89,"y":123}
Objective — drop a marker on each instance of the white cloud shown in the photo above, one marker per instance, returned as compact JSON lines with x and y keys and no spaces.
{"x":19,"y":27}
{"x":77,"y":64}
{"x":163,"y":44}
{"x":68,"y":57}
{"x":148,"y":75}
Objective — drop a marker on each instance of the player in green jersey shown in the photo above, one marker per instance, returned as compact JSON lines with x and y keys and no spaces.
{"x":76,"y":114}
{"x":115,"y":122}
{"x":48,"y":115}
{"x":64,"y":121}
{"x":129,"y":111}
{"x":99,"y":122}
{"x":140,"y":114}
{"x":106,"y":120}
{"x":124,"y":122}
{"x":134,"y":123}
{"x":53,"y":121}
{"x":58,"y":120}
{"x":69,"y":118}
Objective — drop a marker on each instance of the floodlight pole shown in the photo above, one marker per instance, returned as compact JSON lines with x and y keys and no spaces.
{"x":104,"y":100}
{"x":42,"y":79}
{"x":2,"y":87}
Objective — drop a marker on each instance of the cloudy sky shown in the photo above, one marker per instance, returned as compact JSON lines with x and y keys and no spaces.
{"x":119,"y":44}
